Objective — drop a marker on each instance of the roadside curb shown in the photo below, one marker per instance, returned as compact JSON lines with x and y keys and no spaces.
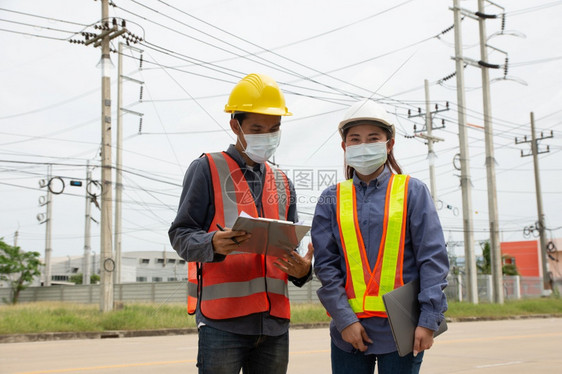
{"x":50,"y":336}
{"x":114,"y":334}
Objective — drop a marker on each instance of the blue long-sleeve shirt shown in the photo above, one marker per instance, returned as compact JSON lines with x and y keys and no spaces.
{"x":425,"y":257}
{"x":190,"y":237}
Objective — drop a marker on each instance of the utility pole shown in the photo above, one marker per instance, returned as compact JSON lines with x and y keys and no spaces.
{"x":495,"y":251}
{"x":47,"y":220}
{"x":107,"y":262}
{"x":466,"y":184}
{"x":106,"y":252}
{"x":119,"y":168}
{"x":119,"y":160}
{"x":86,"y":275}
{"x":427,"y":134}
{"x":541,"y":222}
{"x":430,"y":153}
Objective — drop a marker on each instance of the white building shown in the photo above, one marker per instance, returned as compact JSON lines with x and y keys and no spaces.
{"x":139,"y":266}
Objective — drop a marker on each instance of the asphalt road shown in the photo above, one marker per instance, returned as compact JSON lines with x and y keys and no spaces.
{"x":507,"y":346}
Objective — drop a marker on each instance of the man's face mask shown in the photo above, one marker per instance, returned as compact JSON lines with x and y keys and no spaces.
{"x":260,"y":147}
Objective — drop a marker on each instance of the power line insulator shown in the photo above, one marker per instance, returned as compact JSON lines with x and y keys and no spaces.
{"x":503,"y":22}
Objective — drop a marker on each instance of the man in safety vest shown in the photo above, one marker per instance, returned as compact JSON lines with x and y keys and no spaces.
{"x":373,"y":233}
{"x":240,"y":299}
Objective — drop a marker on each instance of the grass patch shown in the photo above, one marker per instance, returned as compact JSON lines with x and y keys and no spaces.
{"x":308,"y":313}
{"x":527,"y":307}
{"x":66,"y":317}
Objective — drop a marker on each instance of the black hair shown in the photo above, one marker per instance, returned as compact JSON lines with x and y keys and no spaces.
{"x":239,"y":116}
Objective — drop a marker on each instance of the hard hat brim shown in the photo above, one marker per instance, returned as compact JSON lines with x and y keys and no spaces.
{"x":346,"y":124}
{"x":267,"y":111}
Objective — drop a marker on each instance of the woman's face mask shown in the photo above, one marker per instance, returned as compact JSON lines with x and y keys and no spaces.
{"x":260,"y":147}
{"x":366,"y":158}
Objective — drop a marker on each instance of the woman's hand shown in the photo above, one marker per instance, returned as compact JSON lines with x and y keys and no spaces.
{"x":356,"y":335}
{"x":423,"y":339}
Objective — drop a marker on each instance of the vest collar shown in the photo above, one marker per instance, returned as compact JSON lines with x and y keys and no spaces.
{"x":235,"y":154}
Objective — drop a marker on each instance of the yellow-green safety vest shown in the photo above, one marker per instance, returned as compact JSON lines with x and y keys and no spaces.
{"x":364,"y":287}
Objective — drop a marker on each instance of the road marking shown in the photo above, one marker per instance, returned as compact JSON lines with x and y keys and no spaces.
{"x":493,"y":338}
{"x":309,"y":352}
{"x":501,"y":364}
{"x":109,"y":367}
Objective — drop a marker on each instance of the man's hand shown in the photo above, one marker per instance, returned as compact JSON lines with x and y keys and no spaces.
{"x":227,"y":241}
{"x":356,"y":335}
{"x":295,"y":265}
{"x":423,"y":339}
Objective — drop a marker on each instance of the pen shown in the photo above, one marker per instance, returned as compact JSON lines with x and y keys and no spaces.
{"x":233,"y":238}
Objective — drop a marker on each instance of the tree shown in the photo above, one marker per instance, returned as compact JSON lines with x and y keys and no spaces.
{"x":485,"y":266}
{"x":18,"y":268}
{"x":77,"y":278}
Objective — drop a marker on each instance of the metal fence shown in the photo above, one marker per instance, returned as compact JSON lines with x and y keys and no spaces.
{"x":158,"y":292}
{"x":175,"y":292}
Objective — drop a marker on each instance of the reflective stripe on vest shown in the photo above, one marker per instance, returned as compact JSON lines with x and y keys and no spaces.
{"x":364,"y":287}
{"x":239,"y":285}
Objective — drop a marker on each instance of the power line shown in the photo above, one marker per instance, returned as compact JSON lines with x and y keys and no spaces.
{"x":35,"y":35}
{"x":42,"y":17}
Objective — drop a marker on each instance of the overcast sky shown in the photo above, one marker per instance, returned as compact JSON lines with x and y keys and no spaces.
{"x":324,"y":54}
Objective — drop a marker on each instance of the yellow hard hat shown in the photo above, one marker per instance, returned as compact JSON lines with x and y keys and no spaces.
{"x":257,"y":93}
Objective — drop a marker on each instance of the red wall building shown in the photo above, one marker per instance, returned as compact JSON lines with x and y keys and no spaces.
{"x":527,"y":257}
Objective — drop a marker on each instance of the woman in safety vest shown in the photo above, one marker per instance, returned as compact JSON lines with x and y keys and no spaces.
{"x":373,"y":233}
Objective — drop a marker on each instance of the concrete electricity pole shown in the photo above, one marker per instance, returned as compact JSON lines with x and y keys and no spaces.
{"x":47,"y":220}
{"x":427,"y":134}
{"x":87,"y":248}
{"x":107,"y":262}
{"x":119,"y":159}
{"x":541,"y":223}
{"x":495,"y":251}
{"x":430,"y":153}
{"x":106,"y":252}
{"x":119,"y":168}
{"x":466,"y":184}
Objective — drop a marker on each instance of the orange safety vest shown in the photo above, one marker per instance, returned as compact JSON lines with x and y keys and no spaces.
{"x":364,"y":287}
{"x":244,"y":283}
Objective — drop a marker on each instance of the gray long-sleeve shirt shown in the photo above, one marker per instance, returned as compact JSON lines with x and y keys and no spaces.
{"x":190,"y":237}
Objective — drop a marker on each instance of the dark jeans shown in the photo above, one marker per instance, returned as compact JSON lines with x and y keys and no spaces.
{"x":222,"y":352}
{"x":389,"y":363}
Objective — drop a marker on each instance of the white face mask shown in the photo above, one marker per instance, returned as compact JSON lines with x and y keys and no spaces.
{"x":366,"y":158}
{"x":260,"y":147}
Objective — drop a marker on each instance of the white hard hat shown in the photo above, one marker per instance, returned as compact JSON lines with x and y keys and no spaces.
{"x":366,"y":111}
